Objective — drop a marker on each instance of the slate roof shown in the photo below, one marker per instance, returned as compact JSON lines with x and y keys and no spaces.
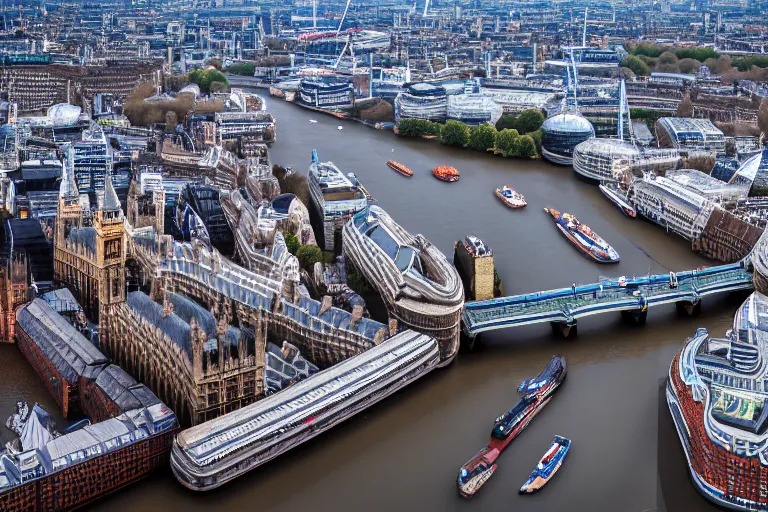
{"x":68,"y":351}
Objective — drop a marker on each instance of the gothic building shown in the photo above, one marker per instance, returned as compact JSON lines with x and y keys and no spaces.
{"x":90,"y":260}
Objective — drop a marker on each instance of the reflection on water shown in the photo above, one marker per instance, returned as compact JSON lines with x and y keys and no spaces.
{"x":405,"y":453}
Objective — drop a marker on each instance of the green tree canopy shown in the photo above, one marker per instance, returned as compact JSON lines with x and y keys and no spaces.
{"x":204,"y":79}
{"x":308,"y":255}
{"x":291,"y":242}
{"x":507,"y":121}
{"x":529,"y":120}
{"x":526,"y":146}
{"x":699,"y":53}
{"x":483,"y":137}
{"x":647,"y":49}
{"x":242,"y":68}
{"x":417,"y":128}
{"x":637,"y":66}
{"x":455,"y":133}
{"x":506,"y":142}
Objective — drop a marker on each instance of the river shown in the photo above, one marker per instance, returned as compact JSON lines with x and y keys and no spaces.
{"x":405,"y":452}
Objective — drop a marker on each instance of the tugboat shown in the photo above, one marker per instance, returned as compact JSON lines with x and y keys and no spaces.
{"x":582,"y":236}
{"x":536,"y":394}
{"x":616,"y":198}
{"x":510,"y":197}
{"x":397,"y":166}
{"x":547,"y":466}
{"x":446,"y":173}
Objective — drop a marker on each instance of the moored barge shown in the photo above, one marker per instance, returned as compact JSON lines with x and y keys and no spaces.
{"x":536,"y":394}
{"x":446,"y":173}
{"x":400,"y":168}
{"x":580,"y":235}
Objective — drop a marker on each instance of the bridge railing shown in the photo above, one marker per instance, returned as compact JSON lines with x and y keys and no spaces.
{"x":685,"y":286}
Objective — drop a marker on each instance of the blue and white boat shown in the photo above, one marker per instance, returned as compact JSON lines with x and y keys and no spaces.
{"x":547,"y":466}
{"x":587,"y":241}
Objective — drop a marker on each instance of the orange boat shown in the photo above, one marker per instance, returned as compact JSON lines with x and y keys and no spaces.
{"x":397,"y":166}
{"x":446,"y":173}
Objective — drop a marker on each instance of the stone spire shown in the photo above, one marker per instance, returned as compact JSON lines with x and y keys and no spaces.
{"x":111,"y":202}
{"x":68,"y":189}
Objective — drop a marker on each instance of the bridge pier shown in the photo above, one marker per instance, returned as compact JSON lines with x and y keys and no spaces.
{"x":635,"y":317}
{"x":685,"y":308}
{"x":566,"y":329}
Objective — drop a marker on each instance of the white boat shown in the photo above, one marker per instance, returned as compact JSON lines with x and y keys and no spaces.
{"x":616,"y":198}
{"x":510,"y":197}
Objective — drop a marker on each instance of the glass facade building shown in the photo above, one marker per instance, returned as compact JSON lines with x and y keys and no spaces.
{"x":561,"y":134}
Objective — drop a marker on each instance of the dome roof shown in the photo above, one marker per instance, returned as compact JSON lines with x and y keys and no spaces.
{"x":64,"y":113}
{"x":571,"y":123}
{"x":608,"y":147}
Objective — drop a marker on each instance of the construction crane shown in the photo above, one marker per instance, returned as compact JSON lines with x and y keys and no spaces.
{"x":346,"y":8}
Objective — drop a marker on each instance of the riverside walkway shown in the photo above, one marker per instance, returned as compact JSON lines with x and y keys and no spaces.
{"x":631,"y":296}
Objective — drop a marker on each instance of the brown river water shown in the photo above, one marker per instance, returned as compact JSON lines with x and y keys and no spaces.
{"x":405,"y":452}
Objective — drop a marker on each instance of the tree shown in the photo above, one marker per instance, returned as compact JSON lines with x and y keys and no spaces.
{"x":529,"y":120}
{"x":171,"y":121}
{"x":454,"y":133}
{"x":204,"y":79}
{"x":647,"y":49}
{"x":688,"y":65}
{"x":627,"y":74}
{"x":505,"y":122}
{"x":719,"y":65}
{"x":483,"y":137}
{"x":291,"y":242}
{"x":700,"y":53}
{"x":417,"y":128}
{"x":637,"y":66}
{"x":219,"y":87}
{"x":536,"y":136}
{"x":242,"y":68}
{"x":685,"y":108}
{"x":668,"y":58}
{"x":215,"y":63}
{"x":526,"y":146}
{"x":407,"y":128}
{"x":506,"y":142}
{"x":762,"y":118}
{"x":297,"y":185}
{"x":308,"y":255}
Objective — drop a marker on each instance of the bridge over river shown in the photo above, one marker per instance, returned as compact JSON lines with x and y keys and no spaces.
{"x":631,"y":296}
